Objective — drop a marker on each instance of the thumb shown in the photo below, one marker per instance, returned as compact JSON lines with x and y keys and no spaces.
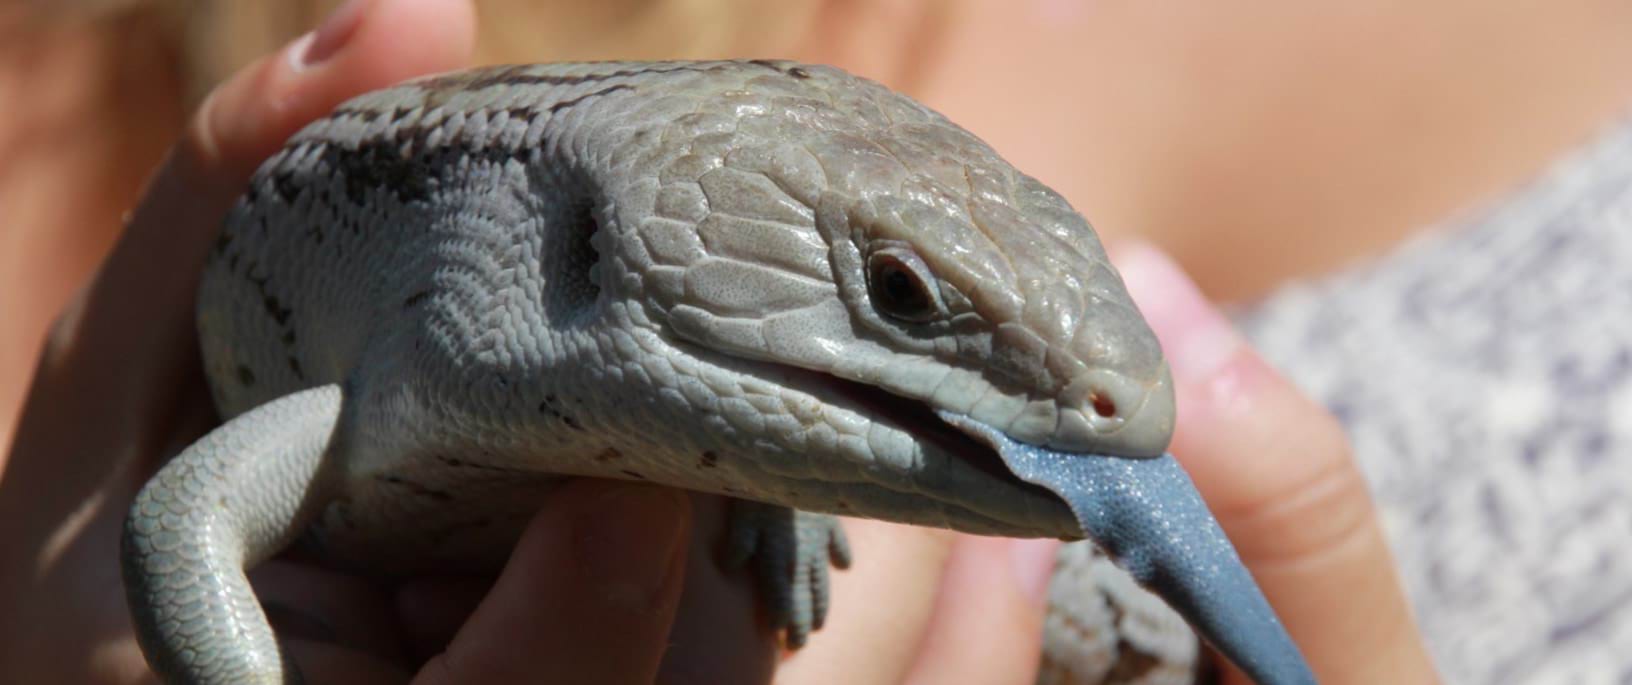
{"x":143,"y":295}
{"x":1277,"y":471}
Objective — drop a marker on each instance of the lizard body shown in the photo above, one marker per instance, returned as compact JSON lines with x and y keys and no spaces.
{"x":758,"y":279}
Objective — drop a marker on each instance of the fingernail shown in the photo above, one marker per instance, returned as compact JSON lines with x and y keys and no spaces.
{"x":335,"y":31}
{"x":1196,"y":337}
{"x":627,"y":538}
{"x":1034,"y":561}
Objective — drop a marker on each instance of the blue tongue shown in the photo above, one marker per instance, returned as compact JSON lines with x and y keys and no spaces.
{"x":1147,"y":515}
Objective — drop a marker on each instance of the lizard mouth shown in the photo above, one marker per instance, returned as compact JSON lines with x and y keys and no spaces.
{"x":961,"y":439}
{"x":924,"y":424}
{"x":953,"y":438}
{"x":949,"y":477}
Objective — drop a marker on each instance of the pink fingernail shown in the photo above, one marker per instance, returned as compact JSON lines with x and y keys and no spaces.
{"x":331,"y":35}
{"x":1196,"y":337}
{"x":1033,"y":561}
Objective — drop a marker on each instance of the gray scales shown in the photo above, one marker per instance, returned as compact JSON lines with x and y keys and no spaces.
{"x":772,"y":281}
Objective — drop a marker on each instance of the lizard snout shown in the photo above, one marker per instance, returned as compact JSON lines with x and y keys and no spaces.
{"x":1109,"y":413}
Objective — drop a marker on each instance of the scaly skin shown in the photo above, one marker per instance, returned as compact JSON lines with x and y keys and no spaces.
{"x":758,"y":279}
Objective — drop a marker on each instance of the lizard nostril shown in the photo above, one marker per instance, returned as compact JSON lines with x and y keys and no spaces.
{"x":1102,"y":403}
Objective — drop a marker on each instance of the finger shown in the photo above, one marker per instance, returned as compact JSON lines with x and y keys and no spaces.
{"x":432,"y":610}
{"x":119,"y":350}
{"x":588,"y":595}
{"x":363,"y":45}
{"x":993,"y":594}
{"x":326,"y":663}
{"x":118,"y":372}
{"x":881,"y":607}
{"x":1276,"y":470}
{"x":716,"y":635}
{"x":719,"y":633}
{"x":325,"y":606}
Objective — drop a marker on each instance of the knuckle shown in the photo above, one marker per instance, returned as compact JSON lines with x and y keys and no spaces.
{"x":1308,"y":516}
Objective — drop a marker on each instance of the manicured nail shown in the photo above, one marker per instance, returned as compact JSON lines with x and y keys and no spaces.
{"x":627,"y":538}
{"x":1196,"y":338}
{"x":335,"y":31}
{"x":1034,"y":561}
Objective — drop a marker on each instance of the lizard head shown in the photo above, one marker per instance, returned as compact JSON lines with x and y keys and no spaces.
{"x":869,"y":253}
{"x":1004,"y":301}
{"x":855,"y":306}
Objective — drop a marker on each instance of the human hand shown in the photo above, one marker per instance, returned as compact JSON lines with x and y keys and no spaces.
{"x":1278,"y":473}
{"x":119,"y":387}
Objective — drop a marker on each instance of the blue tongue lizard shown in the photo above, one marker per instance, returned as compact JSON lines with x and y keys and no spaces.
{"x":1146,"y":514}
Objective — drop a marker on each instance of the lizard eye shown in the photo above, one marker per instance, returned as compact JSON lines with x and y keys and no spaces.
{"x":899,"y":284}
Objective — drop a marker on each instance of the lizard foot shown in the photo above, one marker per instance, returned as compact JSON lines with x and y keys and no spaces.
{"x":791,"y":551}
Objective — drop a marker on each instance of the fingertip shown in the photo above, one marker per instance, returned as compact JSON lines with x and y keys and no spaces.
{"x":1196,"y":337}
{"x":1223,"y":389}
{"x":1253,"y":443}
{"x":243,"y":121}
{"x":444,"y":34}
{"x":363,"y":46}
{"x":318,"y":45}
{"x":1277,"y":471}
{"x":248,"y":117}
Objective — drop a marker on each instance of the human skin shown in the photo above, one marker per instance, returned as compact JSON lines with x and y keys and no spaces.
{"x":119,"y":386}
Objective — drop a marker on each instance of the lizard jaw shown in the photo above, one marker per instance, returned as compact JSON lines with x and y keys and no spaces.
{"x":908,"y":466}
{"x":1042,"y":512}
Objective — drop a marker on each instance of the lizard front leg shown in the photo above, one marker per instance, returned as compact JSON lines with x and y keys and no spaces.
{"x":232,"y":499}
{"x":790,"y":551}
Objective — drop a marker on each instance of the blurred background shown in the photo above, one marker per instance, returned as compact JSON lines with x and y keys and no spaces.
{"x":1288,"y":154}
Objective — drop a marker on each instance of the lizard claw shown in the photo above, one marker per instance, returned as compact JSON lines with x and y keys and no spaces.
{"x":791,"y":551}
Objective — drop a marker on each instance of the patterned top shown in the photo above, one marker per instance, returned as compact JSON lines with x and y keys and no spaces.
{"x":1484,"y":372}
